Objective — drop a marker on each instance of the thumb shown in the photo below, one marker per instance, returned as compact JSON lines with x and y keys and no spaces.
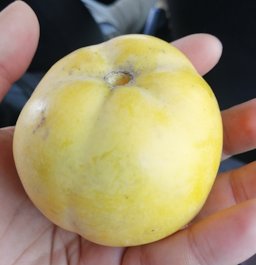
{"x":19,"y":34}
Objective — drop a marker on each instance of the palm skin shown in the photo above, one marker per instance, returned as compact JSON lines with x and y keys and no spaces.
{"x":223,"y":233}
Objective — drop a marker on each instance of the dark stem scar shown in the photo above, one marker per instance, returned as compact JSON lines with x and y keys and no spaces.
{"x":119,"y":78}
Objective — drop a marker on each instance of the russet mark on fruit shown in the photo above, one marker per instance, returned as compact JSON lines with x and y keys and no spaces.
{"x":120,"y":142}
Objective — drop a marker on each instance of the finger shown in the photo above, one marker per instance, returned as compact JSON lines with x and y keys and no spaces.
{"x":228,"y":237}
{"x":19,"y":33}
{"x":239,"y":125}
{"x":231,"y":188}
{"x":203,"y":50}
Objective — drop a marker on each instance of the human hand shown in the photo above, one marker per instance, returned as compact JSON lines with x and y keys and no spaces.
{"x":223,"y":233}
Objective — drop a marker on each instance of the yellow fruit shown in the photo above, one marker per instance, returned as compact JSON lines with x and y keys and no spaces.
{"x":120,"y":142}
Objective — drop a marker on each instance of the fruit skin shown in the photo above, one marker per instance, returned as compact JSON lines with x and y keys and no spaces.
{"x":120,"y":165}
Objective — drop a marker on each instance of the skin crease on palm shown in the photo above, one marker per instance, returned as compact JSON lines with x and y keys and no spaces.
{"x":223,"y":233}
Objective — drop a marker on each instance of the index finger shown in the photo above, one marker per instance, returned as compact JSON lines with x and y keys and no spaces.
{"x":19,"y":33}
{"x":203,"y":50}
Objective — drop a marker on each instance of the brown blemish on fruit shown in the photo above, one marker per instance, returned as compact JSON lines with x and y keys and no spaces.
{"x":41,"y":122}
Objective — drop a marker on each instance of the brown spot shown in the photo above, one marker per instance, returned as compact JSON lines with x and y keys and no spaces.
{"x":41,"y":122}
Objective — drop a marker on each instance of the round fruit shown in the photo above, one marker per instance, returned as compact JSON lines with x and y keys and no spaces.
{"x":120,"y":142}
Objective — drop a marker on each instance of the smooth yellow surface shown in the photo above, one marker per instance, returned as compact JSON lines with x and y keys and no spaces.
{"x":120,"y":165}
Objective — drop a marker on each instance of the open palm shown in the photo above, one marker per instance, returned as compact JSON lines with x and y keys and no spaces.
{"x":223,"y":233}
